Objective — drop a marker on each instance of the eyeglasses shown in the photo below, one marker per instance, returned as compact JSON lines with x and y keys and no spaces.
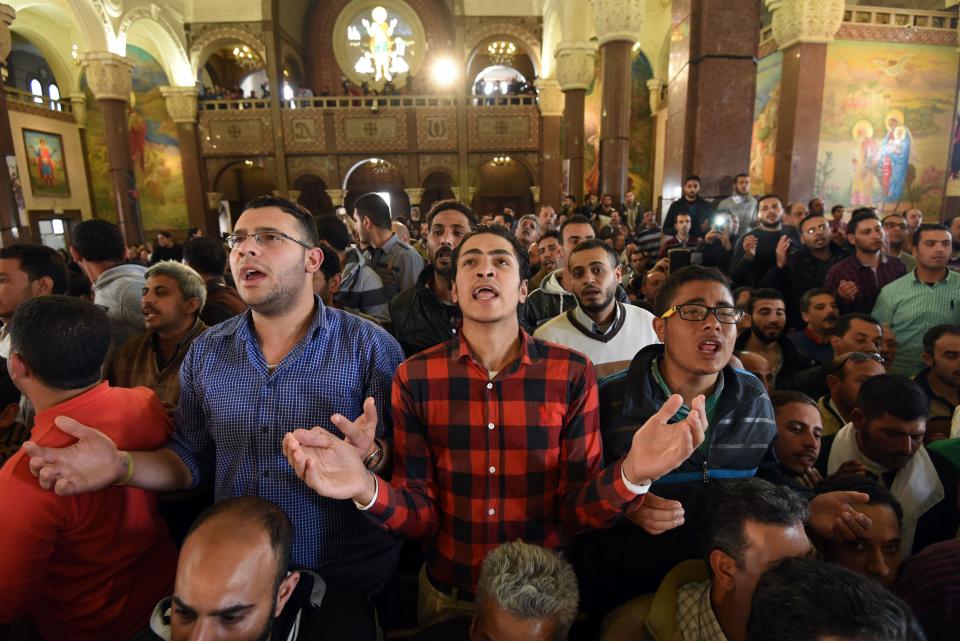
{"x":697,"y":312}
{"x":813,"y":230}
{"x":263,"y":239}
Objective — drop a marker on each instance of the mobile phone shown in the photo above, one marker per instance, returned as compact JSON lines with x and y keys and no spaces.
{"x":678,"y":258}
{"x":719,"y":222}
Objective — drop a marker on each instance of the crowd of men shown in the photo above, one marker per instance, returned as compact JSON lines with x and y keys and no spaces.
{"x":578,"y":424}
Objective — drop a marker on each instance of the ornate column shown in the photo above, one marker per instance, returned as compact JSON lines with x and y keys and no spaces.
{"x":535,"y":191}
{"x":294,"y":195}
{"x":551,"y":110}
{"x":78,"y":103}
{"x":336,"y":197}
{"x":108,"y":76}
{"x":182,"y":107}
{"x":12,"y":229}
{"x":574,"y":73}
{"x":802,"y":29}
{"x":415,"y":194}
{"x":618,"y":24}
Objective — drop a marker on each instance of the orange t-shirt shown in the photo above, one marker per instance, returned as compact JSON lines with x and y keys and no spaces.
{"x":90,"y":566}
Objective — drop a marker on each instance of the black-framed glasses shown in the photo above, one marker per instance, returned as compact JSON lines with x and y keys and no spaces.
{"x":697,"y":312}
{"x":263,"y":239}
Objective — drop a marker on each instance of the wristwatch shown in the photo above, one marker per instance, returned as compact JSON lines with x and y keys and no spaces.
{"x":374,"y":458}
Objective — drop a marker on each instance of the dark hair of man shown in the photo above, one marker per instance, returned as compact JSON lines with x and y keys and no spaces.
{"x":918,"y":234}
{"x":550,"y":233}
{"x":845,"y":321}
{"x":62,"y":340}
{"x":508,"y":221}
{"x":810,"y":294}
{"x":948,"y":222}
{"x":837,"y":207}
{"x":576,"y":219}
{"x":166,"y":234}
{"x":725,"y":508}
{"x":811,"y":600}
{"x":596,"y":243}
{"x":79,"y":286}
{"x":571,"y":197}
{"x":859,"y":215}
{"x":334,"y":231}
{"x":879,"y":495}
{"x":206,"y":255}
{"x":807,"y":219}
{"x":191,"y":231}
{"x":37,"y":261}
{"x":98,"y":241}
{"x":838,"y":365}
{"x":895,"y":214}
{"x":739,"y":176}
{"x":681,"y":277}
{"x":779,"y":398}
{"x":692,"y":177}
{"x":523,"y":260}
{"x":933,"y":334}
{"x":267,"y":516}
{"x":452,"y":205}
{"x":895,"y":395}
{"x":740,"y":290}
{"x":768,"y":197}
{"x":375,"y":208}
{"x":764,"y":293}
{"x":811,"y":201}
{"x":8,"y":391}
{"x":308,"y":227}
{"x":331,"y":264}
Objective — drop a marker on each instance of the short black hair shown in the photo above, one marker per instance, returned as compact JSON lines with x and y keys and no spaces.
{"x":333,"y":231}
{"x":837,"y":365}
{"x":331,"y":263}
{"x":810,"y":600}
{"x":836,"y":207}
{"x":859,"y":215}
{"x":725,"y":507}
{"x":895,"y":395}
{"x":768,"y":196}
{"x":845,"y":321}
{"x":550,"y":233}
{"x":928,"y":227}
{"x":206,"y":255}
{"x":9,"y":393}
{"x":308,"y":227}
{"x":779,"y":398}
{"x":267,"y":516}
{"x":807,"y":219}
{"x":681,"y":277}
{"x":452,"y":205}
{"x":374,"y":207}
{"x":523,"y":260}
{"x":576,"y":219}
{"x":810,"y":294}
{"x":878,"y":493}
{"x":933,"y":334}
{"x":38,"y":261}
{"x":596,"y":243}
{"x":63,"y":340}
{"x":166,"y":234}
{"x":571,"y":197}
{"x":509,"y":221}
{"x":764,"y":293}
{"x":740,"y":175}
{"x":98,"y":240}
{"x":692,"y":177}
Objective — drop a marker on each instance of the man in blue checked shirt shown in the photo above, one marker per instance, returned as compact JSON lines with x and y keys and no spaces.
{"x":288,"y":362}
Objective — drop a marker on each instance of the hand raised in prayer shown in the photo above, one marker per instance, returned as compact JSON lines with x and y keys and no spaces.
{"x":92,"y":463}
{"x":330,"y":466}
{"x":833,"y":515}
{"x":847,"y":290}
{"x":659,"y":447}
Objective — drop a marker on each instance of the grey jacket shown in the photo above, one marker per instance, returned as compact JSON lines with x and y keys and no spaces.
{"x":119,"y":291}
{"x":361,"y":289}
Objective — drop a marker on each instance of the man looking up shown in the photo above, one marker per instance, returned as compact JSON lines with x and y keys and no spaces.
{"x":740,"y":205}
{"x":551,"y":257}
{"x":756,"y":251}
{"x":425,"y":315}
{"x":528,"y":230}
{"x":547,"y":218}
{"x":895,"y":227}
{"x":599,"y":326}
{"x":397,"y":263}
{"x":244,"y":385}
{"x":27,"y":271}
{"x":856,"y":280}
{"x":207,"y":257}
{"x":819,"y":311}
{"x":87,"y":567}
{"x":928,"y":296}
{"x":691,"y":202}
{"x":534,"y":471}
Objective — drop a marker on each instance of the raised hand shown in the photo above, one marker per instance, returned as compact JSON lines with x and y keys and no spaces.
{"x":659,"y":447}
{"x":783,"y":249}
{"x":358,"y":433}
{"x":329,"y":465}
{"x":833,"y":515}
{"x":750,"y":242}
{"x":657,"y":515}
{"x":92,"y":463}
{"x":847,"y":290}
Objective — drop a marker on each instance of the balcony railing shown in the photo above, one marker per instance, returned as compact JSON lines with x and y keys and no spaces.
{"x":27,"y":98}
{"x":369,"y":102}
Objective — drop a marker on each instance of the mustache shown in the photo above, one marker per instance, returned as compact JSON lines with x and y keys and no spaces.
{"x":149,"y":309}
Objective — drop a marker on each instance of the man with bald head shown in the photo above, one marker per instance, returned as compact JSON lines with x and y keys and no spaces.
{"x":233,"y":584}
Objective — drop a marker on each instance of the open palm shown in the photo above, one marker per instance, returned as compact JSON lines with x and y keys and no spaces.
{"x":328,"y":465}
{"x":659,"y":447}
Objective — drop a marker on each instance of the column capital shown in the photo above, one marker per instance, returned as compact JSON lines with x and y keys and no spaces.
{"x":181,"y":103}
{"x":551,"y":97}
{"x":456,"y":193}
{"x":336,"y":196}
{"x":415,"y":194}
{"x":618,"y":20}
{"x":213,"y":200}
{"x":655,"y":86}
{"x":7,"y":15}
{"x":78,"y":103}
{"x":575,"y":64}
{"x":535,"y":192}
{"x":108,"y":75}
{"x":797,"y":21}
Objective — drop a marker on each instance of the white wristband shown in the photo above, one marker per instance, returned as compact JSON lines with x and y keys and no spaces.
{"x":376,"y":493}
{"x":633,"y":487}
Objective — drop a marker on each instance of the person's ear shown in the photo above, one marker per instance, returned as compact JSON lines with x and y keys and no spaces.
{"x":75,"y":255}
{"x":835,"y":344}
{"x":286,"y":591}
{"x":833,"y":382}
{"x":454,"y":298}
{"x":313,"y":258}
{"x":523,"y":290}
{"x":806,"y":318}
{"x":618,"y":273}
{"x":9,"y":414}
{"x":659,"y":328}
{"x":43,"y":286}
{"x":193,"y":306}
{"x":927,"y":359}
{"x":858,"y":418}
{"x":334,"y":283}
{"x":17,"y":367}
{"x":723,"y":569}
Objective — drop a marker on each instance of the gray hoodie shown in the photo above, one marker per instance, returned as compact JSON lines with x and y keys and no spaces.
{"x":119,"y":291}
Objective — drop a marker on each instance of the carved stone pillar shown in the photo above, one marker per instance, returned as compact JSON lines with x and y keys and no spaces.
{"x":182,"y":107}
{"x":294,"y":195}
{"x":12,"y":229}
{"x":78,"y":104}
{"x":456,"y":194}
{"x":108,"y":76}
{"x":551,"y":110}
{"x":336,"y":196}
{"x":618,"y":24}
{"x":535,"y":191}
{"x":415,"y":194}
{"x":575,"y":64}
{"x":802,"y":29}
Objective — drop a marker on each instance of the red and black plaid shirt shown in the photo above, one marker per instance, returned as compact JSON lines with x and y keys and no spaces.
{"x":480,"y":462}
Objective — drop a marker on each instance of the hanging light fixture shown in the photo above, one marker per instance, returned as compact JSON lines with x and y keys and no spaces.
{"x":500,"y":161}
{"x":245,"y":58}
{"x":502,"y":52}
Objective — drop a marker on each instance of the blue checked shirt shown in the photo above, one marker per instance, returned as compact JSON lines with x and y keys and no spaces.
{"x":233,"y":414}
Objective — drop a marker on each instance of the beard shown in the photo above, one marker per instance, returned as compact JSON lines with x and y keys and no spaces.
{"x":600,"y":305}
{"x":284,"y":294}
{"x":765,"y":337}
{"x":447,"y":270}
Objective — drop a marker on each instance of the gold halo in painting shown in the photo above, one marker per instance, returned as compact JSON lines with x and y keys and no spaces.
{"x":893,"y":114}
{"x":862,"y":127}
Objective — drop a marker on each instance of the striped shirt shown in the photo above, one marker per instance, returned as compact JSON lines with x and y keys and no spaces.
{"x":911,"y":307}
{"x":648,"y":240}
{"x":929,"y":582}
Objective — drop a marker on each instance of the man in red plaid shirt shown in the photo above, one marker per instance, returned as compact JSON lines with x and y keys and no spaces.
{"x":496,"y":438}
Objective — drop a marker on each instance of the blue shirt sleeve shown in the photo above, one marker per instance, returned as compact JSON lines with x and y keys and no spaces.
{"x":191,"y":441}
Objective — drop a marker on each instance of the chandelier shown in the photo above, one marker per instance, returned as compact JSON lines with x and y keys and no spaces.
{"x":500,"y":161}
{"x":245,"y":58}
{"x":502,"y":52}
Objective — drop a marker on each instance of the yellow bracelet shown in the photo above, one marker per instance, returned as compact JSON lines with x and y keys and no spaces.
{"x":129,"y":475}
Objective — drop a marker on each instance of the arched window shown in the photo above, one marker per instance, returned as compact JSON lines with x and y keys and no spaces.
{"x":37,"y":90}
{"x":54,"y":92}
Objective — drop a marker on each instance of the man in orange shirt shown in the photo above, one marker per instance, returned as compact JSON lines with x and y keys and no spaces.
{"x":90,"y":566}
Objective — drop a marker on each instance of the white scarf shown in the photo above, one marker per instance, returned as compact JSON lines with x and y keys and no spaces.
{"x":916,"y":486}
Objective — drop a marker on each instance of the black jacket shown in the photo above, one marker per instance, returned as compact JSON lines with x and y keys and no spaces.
{"x":793,"y":360}
{"x":420,"y":319}
{"x":549,"y":300}
{"x":801,"y":273}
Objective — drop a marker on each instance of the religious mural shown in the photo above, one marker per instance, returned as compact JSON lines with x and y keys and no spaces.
{"x":153,"y":147}
{"x":887,"y":125}
{"x":640,"y":165}
{"x":764,"y":139}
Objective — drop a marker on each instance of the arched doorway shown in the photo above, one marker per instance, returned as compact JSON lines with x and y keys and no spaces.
{"x":313,"y":194}
{"x":436,"y":186}
{"x":242,"y":182}
{"x":500,"y":65}
{"x":380,"y":176}
{"x":503,"y":181}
